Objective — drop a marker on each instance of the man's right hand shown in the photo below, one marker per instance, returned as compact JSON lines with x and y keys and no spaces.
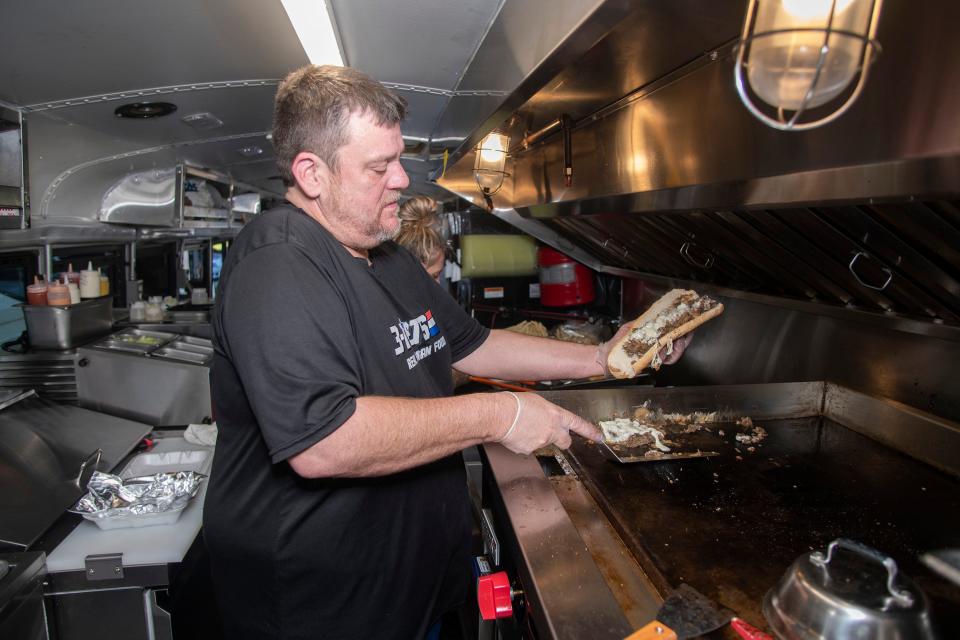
{"x":541,"y":423}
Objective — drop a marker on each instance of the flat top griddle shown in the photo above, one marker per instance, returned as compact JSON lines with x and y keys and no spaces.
{"x":732,"y":527}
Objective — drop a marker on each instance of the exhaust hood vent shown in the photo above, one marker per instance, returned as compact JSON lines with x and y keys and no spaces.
{"x":900,"y":257}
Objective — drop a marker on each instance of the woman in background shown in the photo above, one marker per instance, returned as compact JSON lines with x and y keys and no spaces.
{"x":420,"y":233}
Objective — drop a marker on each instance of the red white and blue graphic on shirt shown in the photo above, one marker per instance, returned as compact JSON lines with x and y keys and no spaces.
{"x":411,"y":334}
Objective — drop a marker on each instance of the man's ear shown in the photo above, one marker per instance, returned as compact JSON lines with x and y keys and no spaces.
{"x":311,"y":173}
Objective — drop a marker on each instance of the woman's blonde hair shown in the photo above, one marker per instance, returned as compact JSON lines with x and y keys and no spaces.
{"x":420,"y":231}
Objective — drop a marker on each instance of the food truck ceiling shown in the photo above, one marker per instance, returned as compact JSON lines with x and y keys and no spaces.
{"x":453,"y":61}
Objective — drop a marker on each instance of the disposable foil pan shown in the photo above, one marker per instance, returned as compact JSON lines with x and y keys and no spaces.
{"x":148,"y":464}
{"x":115,"y":503}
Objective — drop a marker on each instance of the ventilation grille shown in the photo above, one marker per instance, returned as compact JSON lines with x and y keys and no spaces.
{"x":899,"y":257}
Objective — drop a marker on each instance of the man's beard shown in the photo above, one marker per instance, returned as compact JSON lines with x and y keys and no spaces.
{"x":371,"y":228}
{"x":385,"y":235}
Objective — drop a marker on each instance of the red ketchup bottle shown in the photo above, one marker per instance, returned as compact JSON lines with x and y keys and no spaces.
{"x":37,"y":292}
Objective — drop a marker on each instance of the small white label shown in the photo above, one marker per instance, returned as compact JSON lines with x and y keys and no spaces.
{"x":535,"y":290}
{"x":9,"y":212}
{"x":492,"y":292}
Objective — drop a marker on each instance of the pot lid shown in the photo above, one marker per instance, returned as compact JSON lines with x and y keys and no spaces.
{"x":850,"y":591}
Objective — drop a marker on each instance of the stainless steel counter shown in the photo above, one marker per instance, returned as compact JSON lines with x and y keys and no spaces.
{"x":155,"y":390}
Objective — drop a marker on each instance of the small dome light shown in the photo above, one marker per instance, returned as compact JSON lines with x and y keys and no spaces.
{"x":141,"y":110}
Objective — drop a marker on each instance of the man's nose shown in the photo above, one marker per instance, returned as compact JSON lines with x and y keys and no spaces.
{"x":399,"y":180}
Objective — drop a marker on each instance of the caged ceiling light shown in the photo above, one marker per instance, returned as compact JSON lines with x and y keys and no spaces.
{"x":491,"y":159}
{"x":798,"y":55}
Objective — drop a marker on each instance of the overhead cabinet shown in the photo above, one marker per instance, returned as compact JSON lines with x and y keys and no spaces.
{"x":182,"y":197}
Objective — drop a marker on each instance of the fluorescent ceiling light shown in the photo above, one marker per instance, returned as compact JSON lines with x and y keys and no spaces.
{"x":315,"y":30}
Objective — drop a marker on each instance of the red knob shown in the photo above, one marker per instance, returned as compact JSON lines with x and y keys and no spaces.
{"x":494,"y":596}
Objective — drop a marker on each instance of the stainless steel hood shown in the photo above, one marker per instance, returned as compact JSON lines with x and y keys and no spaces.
{"x":672,"y":176}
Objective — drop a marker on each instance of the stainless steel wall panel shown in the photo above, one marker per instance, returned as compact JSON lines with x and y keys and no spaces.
{"x":757,"y":343}
{"x":918,"y":434}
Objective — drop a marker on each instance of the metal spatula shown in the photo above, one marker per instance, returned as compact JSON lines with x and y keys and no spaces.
{"x":686,"y":613}
{"x":638,"y":454}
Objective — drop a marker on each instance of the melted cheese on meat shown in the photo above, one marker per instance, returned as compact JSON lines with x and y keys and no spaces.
{"x":622,"y":429}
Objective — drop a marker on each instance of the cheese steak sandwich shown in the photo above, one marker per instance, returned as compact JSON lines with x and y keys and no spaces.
{"x":677,"y":313}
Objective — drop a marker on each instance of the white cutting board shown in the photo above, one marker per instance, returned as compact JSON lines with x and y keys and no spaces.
{"x":140,"y":546}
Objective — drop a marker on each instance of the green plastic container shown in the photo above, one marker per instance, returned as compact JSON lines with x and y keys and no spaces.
{"x":485,"y":256}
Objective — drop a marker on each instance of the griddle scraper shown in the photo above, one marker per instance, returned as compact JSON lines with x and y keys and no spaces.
{"x":686,"y":613}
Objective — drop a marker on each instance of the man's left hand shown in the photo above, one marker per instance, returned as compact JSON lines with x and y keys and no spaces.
{"x":679,"y":346}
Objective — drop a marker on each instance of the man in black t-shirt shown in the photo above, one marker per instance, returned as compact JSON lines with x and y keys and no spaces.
{"x":336,"y":506}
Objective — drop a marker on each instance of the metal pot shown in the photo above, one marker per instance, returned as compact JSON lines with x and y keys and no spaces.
{"x":850,"y":596}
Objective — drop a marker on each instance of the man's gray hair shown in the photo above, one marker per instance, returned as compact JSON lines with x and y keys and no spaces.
{"x":312,"y":110}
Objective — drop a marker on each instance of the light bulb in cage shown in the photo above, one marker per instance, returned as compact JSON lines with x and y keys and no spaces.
{"x":799,"y":55}
{"x":491,"y":159}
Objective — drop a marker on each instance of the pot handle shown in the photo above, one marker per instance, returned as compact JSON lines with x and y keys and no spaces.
{"x":901,"y":596}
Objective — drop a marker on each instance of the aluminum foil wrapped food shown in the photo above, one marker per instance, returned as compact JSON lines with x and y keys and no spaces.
{"x":109,"y":496}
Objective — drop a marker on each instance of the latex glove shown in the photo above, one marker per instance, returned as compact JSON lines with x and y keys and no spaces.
{"x":540,"y":423}
{"x":679,"y":346}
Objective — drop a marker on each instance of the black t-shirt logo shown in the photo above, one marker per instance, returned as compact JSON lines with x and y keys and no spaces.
{"x":408,"y":334}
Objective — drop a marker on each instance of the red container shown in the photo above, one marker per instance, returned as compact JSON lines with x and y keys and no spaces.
{"x":70,"y":275}
{"x":563,"y":281}
{"x":37,"y":292}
